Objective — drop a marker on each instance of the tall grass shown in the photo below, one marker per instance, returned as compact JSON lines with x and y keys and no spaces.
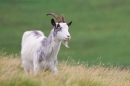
{"x":70,"y":74}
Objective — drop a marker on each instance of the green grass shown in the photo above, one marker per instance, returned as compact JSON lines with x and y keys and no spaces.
{"x":100,"y":30}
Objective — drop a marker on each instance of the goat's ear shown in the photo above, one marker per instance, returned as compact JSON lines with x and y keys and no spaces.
{"x":69,"y":23}
{"x":53,"y":22}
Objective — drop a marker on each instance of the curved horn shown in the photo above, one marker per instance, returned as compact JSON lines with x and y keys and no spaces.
{"x":63,"y":18}
{"x":54,"y":15}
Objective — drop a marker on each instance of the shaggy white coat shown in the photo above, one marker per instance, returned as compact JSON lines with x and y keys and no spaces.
{"x":40,"y":52}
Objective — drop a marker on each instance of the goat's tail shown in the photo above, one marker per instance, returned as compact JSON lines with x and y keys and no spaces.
{"x":25,"y":36}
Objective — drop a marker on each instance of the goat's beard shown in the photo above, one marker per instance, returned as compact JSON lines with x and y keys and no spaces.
{"x":65,"y":43}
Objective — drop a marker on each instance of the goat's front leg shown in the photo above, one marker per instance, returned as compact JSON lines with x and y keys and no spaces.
{"x":53,"y":67}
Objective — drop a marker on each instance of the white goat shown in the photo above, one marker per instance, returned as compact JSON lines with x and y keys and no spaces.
{"x":39,"y":52}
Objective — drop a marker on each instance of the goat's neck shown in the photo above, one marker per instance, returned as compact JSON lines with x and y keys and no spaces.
{"x":52,"y":44}
{"x":54,"y":41}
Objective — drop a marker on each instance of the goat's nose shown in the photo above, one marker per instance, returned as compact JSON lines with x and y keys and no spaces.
{"x":68,"y":36}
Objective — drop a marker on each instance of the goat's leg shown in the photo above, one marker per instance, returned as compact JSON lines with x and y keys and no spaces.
{"x":26,"y":67}
{"x":36,"y":68}
{"x":53,"y":67}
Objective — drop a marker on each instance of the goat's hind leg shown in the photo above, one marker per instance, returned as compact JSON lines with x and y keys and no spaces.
{"x":26,"y":67}
{"x":36,"y":67}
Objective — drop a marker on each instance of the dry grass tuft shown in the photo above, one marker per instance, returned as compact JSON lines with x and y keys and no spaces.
{"x":74,"y":74}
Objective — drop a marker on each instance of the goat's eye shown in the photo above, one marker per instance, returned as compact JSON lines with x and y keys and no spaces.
{"x":59,"y":28}
{"x":58,"y":25}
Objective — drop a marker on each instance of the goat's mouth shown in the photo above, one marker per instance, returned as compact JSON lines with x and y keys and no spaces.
{"x":65,"y":42}
{"x":67,"y":38}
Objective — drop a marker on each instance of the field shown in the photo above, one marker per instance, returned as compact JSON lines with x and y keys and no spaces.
{"x":100,"y":30}
{"x":70,"y":73}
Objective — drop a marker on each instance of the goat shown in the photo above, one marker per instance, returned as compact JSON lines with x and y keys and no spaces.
{"x":39,"y":52}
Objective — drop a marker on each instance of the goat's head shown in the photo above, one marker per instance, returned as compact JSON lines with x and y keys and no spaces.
{"x":61,"y":28}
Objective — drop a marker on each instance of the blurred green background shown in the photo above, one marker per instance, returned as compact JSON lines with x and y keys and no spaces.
{"x":100,"y":30}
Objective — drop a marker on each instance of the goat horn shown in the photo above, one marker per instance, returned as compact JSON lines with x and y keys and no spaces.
{"x":54,"y":15}
{"x":63,"y":18}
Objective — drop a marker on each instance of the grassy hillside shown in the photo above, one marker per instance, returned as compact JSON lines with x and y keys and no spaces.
{"x":100,"y":29}
{"x":70,"y":74}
